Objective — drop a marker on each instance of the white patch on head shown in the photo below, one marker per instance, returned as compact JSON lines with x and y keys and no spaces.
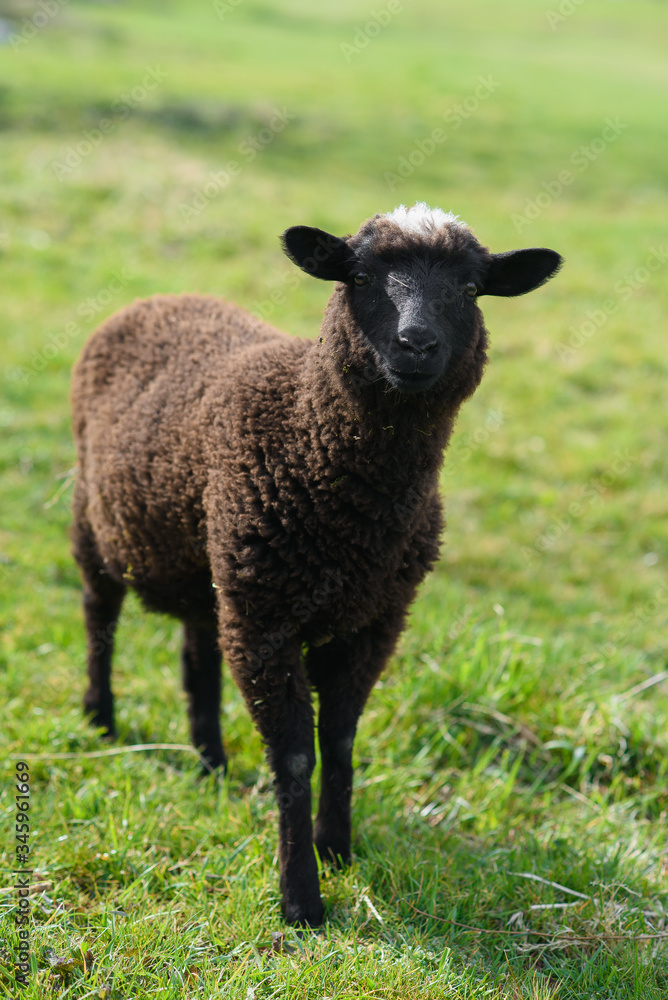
{"x":422,"y":219}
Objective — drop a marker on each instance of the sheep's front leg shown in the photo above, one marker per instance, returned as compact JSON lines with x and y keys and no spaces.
{"x":292,"y":762}
{"x":278,"y":696}
{"x":343,"y":672}
{"x":336,"y":735}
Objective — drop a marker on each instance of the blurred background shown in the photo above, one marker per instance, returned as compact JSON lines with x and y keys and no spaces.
{"x":163,"y":147}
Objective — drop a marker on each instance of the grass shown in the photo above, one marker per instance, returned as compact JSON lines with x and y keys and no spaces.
{"x":521,"y":728}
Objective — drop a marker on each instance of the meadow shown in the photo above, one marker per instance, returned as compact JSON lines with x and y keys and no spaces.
{"x":511,"y":768}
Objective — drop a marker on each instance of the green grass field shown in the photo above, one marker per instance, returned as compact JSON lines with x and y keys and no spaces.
{"x":511,"y":768}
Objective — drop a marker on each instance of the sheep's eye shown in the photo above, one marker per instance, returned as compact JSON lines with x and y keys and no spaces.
{"x":361,"y":278}
{"x":471,"y":289}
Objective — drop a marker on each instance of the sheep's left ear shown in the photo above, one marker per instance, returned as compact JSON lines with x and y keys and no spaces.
{"x":520,"y":271}
{"x":319,"y":253}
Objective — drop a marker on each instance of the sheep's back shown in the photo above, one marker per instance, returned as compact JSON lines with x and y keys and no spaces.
{"x":187,"y":337}
{"x":140,"y":425}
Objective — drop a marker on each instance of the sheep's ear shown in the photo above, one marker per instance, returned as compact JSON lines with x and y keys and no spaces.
{"x":319,"y":253}
{"x":520,"y":271}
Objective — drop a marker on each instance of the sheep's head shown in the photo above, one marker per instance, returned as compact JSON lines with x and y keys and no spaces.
{"x":412,"y":279}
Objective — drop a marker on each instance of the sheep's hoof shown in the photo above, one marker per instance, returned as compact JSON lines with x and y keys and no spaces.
{"x":213,"y":762}
{"x":100,"y":719}
{"x":332,"y":850}
{"x":337,"y":857}
{"x":305,"y":913}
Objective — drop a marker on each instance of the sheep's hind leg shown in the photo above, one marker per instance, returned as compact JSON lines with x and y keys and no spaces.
{"x":201,"y":661}
{"x":102,"y":600}
{"x":102,"y":605}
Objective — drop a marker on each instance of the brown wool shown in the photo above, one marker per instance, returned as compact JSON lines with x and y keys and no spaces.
{"x":285,"y":508}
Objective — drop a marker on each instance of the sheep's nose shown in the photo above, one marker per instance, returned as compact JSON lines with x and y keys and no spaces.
{"x":417,"y":340}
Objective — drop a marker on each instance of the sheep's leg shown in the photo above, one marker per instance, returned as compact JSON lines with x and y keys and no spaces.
{"x":292,"y":761}
{"x":201,"y":660}
{"x":343,"y":673}
{"x":279,"y":699}
{"x":102,"y":606}
{"x":102,"y":600}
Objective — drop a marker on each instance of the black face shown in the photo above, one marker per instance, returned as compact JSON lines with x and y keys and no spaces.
{"x":416,"y":305}
{"x":417,"y":313}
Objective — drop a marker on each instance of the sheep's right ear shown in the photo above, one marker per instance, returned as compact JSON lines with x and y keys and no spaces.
{"x":319,"y":253}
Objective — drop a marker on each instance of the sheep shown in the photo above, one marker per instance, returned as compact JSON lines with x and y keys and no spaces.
{"x":280,"y":495}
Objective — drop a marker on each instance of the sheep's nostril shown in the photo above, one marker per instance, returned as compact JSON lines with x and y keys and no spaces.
{"x":406,"y":345}
{"x":416,"y":345}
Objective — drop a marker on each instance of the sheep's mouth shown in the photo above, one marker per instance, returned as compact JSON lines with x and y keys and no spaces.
{"x":411,"y":381}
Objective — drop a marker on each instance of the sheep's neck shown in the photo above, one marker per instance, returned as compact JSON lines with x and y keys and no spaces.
{"x":388,"y":439}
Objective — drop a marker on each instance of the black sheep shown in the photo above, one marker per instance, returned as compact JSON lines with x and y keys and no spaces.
{"x":280,"y":496}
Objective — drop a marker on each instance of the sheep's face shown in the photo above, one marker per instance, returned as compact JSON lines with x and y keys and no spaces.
{"x":412,"y":279}
{"x":417,"y":311}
